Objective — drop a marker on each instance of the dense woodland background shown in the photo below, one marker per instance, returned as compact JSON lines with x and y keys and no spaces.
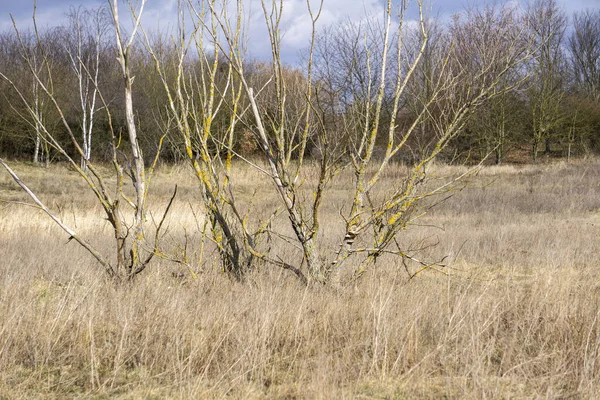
{"x":553,"y":110}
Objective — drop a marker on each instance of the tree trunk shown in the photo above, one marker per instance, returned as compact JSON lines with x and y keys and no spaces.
{"x":311,"y":254}
{"x":36,"y":151}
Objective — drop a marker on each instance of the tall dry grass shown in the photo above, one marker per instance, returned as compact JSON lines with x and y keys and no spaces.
{"x":515,"y":315}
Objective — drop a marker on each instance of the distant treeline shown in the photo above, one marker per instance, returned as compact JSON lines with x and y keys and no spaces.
{"x":551,"y":109}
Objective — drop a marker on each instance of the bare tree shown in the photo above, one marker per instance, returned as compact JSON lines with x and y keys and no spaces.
{"x":421,"y":88}
{"x":15,"y":51}
{"x":584,"y":46}
{"x":196,"y":98}
{"x":132,"y":253}
{"x":548,"y":24}
{"x":38,"y":107}
{"x":482,"y":37}
{"x":83,"y":41}
{"x":371,"y":222}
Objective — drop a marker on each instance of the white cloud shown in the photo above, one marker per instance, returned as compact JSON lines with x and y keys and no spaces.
{"x":296,"y":25}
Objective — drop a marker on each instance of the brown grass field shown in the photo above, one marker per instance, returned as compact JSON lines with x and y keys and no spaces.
{"x":514,"y":315}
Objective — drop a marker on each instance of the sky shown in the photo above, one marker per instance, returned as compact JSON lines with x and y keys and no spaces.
{"x":162,"y":14}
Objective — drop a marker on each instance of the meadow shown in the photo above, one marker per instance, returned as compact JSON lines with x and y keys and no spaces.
{"x":514,"y":314}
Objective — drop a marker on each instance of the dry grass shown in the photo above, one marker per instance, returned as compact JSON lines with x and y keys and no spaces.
{"x":516,"y":315}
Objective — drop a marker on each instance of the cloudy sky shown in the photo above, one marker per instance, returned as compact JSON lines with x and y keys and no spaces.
{"x":162,"y":14}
